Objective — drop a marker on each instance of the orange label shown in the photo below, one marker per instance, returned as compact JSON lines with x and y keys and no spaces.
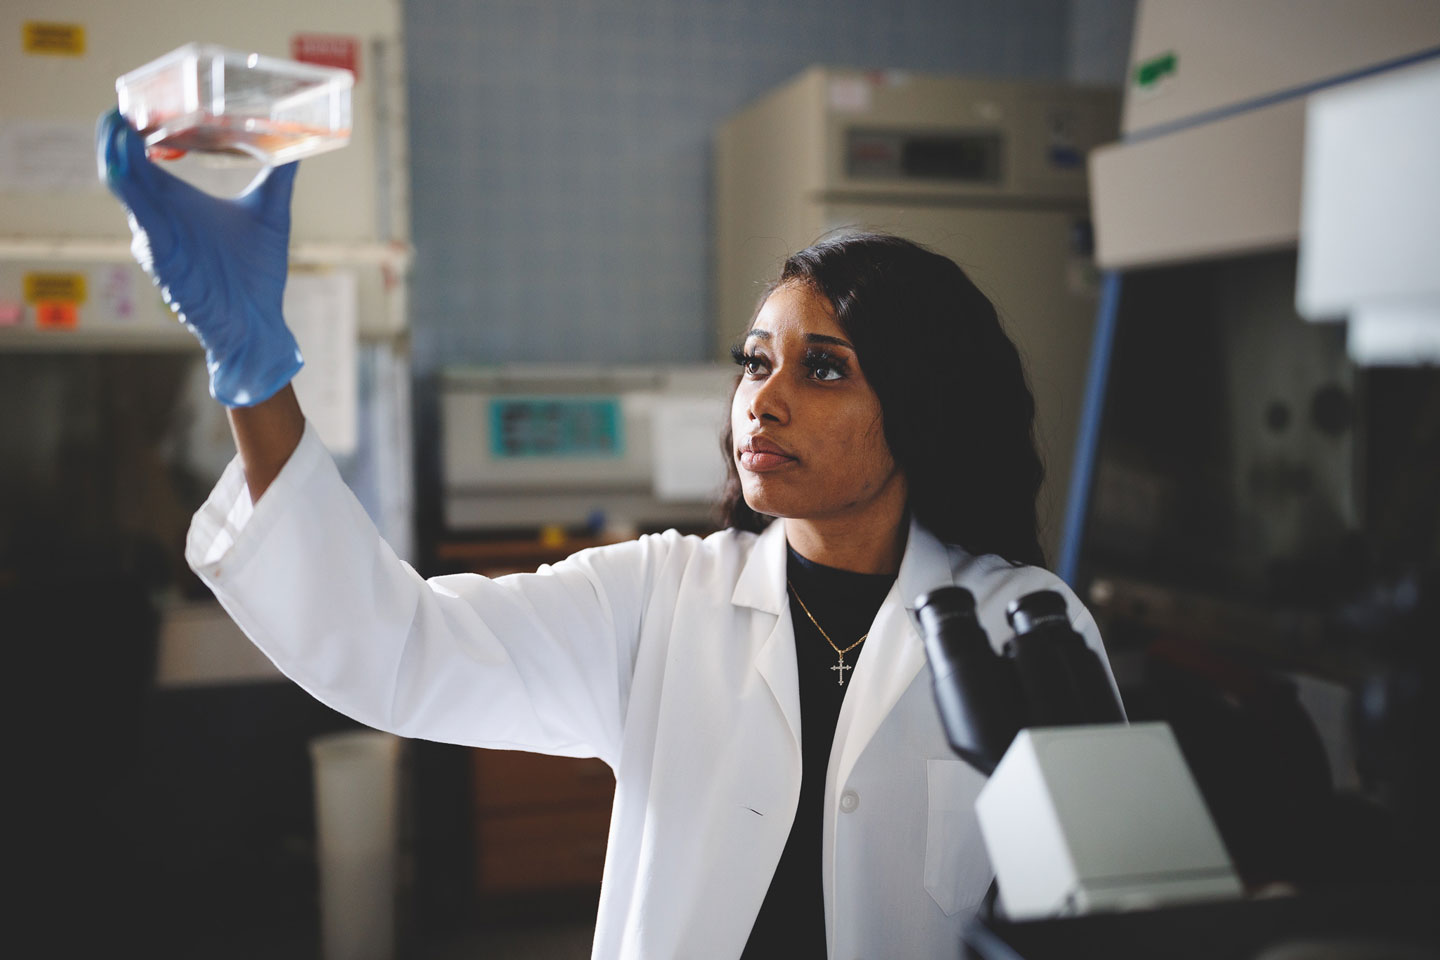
{"x":56,"y":315}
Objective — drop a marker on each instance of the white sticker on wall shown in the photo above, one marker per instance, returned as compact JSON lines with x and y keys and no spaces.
{"x":321,"y":311}
{"x":115,"y":289}
{"x":688,"y":462}
{"x":48,"y":157}
{"x":849,"y":94}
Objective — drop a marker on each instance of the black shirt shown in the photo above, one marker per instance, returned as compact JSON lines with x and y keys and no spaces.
{"x":791,"y":923}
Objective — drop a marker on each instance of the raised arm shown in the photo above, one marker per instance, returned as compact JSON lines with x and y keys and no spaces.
{"x":540,"y":661}
{"x":266,"y":434}
{"x":221,"y":265}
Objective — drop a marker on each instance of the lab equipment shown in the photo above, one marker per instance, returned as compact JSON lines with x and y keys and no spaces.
{"x":990,"y":173}
{"x":1044,"y":676}
{"x":1371,"y":200}
{"x":976,"y":691}
{"x":1082,"y":819}
{"x":1367,"y":254}
{"x":1244,"y":498}
{"x":1082,"y":812}
{"x":1213,"y":129}
{"x":613,"y":448}
{"x":1061,"y":679}
{"x":1336,"y":924}
{"x":202,"y":97}
{"x":1198,"y":212}
{"x":220,"y":264}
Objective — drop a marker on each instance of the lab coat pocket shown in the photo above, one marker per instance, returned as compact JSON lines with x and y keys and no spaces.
{"x":957,"y":869}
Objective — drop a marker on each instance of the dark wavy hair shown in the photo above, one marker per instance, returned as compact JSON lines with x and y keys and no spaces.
{"x":959,"y":417}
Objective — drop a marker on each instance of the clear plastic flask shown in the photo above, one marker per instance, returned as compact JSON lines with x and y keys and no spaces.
{"x":220,"y":103}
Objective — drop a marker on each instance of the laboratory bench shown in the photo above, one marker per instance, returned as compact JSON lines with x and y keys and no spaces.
{"x":1378,"y":921}
{"x":497,"y":557}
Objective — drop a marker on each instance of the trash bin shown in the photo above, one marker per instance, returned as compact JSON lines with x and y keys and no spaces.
{"x":356,"y":793}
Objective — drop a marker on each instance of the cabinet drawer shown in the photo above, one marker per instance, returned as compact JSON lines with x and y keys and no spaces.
{"x":512,"y":781}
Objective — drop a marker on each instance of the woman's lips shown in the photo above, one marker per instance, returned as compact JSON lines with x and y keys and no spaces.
{"x":758,"y":456}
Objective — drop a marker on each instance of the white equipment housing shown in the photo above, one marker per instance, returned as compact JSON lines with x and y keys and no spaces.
{"x":1102,"y":817}
{"x":1370,"y":207}
{"x":1214,"y":123}
{"x":531,"y":445}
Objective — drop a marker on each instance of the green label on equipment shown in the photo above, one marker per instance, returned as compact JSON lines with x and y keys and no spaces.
{"x":1152,"y":71}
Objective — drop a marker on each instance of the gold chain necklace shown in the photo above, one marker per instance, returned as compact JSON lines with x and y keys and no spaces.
{"x":842,"y":666}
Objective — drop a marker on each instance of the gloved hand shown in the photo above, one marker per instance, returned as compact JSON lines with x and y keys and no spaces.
{"x":220,"y":264}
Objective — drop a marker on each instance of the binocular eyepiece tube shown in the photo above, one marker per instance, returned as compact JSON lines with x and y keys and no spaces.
{"x":1046,"y":675}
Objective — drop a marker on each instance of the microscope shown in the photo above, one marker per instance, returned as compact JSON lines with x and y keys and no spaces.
{"x":1083,"y":812}
{"x":1100,"y":840}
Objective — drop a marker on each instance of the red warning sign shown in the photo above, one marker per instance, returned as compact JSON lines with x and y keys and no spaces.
{"x":327,"y":50}
{"x":56,"y":315}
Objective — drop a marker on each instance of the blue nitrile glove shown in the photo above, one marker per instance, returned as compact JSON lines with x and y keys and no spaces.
{"x":219,"y":264}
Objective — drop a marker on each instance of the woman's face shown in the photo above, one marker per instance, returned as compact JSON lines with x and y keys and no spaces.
{"x":809,"y":441}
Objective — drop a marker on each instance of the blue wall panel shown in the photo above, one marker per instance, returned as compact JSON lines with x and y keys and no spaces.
{"x":561,"y":151}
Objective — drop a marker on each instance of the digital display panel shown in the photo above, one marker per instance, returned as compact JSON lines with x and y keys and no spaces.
{"x":558,"y":427}
{"x":961,"y":157}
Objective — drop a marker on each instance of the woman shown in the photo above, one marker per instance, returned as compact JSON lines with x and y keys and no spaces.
{"x":783,"y":785}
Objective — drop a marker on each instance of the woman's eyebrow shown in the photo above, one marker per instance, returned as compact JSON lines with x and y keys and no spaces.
{"x":758,"y":334}
{"x":823,"y":338}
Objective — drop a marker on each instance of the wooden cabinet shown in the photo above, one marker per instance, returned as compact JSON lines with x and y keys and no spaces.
{"x":541,"y":822}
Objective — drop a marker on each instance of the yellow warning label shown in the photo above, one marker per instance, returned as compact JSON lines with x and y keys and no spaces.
{"x":66,"y":39}
{"x":55,"y":288}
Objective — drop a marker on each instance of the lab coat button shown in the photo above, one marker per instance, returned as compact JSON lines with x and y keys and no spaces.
{"x":849,"y":800}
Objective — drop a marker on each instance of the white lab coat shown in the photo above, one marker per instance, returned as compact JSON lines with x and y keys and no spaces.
{"x":671,"y":658}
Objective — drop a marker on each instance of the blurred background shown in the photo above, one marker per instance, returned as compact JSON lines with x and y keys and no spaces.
{"x":515,"y":289}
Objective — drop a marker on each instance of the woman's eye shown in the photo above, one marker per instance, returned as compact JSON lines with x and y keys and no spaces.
{"x":823,"y":366}
{"x":753,"y":366}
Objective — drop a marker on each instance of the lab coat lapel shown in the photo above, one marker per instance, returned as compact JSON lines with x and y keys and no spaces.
{"x":761,"y":586}
{"x":893,"y":654}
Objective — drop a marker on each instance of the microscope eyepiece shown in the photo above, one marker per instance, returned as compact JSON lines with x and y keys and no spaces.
{"x":974,"y":687}
{"x":945,"y":603}
{"x":1036,"y":610}
{"x":1063,"y":680}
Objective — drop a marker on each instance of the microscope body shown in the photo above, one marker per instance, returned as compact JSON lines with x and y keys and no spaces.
{"x":1086,"y":818}
{"x":1083,"y":812}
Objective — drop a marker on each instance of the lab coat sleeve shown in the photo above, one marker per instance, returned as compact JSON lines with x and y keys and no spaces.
{"x":537,"y":661}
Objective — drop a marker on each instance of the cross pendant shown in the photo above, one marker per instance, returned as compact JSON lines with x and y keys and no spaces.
{"x":841,"y":667}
